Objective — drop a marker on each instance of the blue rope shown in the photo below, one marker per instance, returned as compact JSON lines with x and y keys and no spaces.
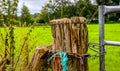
{"x":64,"y":59}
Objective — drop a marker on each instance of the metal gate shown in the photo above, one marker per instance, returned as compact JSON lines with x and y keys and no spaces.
{"x":103,"y":10}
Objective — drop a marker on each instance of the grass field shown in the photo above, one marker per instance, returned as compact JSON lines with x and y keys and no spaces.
{"x":43,"y":36}
{"x":112,"y":32}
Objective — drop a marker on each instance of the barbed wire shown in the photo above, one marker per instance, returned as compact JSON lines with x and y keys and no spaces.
{"x":95,"y":47}
{"x":92,"y":46}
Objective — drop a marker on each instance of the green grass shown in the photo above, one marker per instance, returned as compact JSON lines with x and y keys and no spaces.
{"x":39,"y":36}
{"x":42,"y":36}
{"x":112,"y":32}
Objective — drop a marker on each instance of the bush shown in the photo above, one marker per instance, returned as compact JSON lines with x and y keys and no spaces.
{"x":41,"y":21}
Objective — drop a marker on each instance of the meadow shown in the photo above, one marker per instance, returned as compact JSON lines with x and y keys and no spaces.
{"x":112,"y":32}
{"x":42,"y":36}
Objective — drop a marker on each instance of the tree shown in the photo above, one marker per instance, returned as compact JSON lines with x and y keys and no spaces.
{"x":67,"y":8}
{"x":108,"y":2}
{"x":116,"y":2}
{"x":44,"y":15}
{"x":26,"y":17}
{"x":60,"y":8}
{"x":104,"y":2}
{"x":35,"y":15}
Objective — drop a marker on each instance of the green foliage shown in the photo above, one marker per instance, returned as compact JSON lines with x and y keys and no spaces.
{"x":108,"y":2}
{"x":16,"y":22}
{"x":9,"y":39}
{"x":44,"y":15}
{"x":116,"y":2}
{"x":61,"y":8}
{"x":56,"y":9}
{"x":8,"y":11}
{"x":41,"y":21}
{"x":103,"y":2}
{"x":26,"y":17}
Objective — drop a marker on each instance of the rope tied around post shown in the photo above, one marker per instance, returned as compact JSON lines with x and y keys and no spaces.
{"x":64,"y":59}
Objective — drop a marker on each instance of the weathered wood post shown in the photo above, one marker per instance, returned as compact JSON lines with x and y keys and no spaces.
{"x":38,"y":64}
{"x":70,"y":36}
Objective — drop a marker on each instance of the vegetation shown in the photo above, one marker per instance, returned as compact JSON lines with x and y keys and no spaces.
{"x":26,"y":18}
{"x":56,"y":9}
{"x":108,"y":2}
{"x":26,"y":40}
{"x":8,"y":16}
{"x":66,"y":8}
{"x":42,"y":36}
{"x":111,"y":33}
{"x":17,"y":44}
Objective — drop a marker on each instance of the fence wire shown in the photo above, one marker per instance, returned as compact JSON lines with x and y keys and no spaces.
{"x":95,"y":48}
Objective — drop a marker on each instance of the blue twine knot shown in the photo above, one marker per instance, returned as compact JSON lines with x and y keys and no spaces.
{"x":64,"y":59}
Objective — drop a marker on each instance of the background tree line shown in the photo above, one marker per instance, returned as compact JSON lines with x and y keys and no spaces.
{"x":66,"y":8}
{"x":59,"y":9}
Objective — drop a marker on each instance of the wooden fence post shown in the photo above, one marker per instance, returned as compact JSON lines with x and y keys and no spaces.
{"x":70,"y":36}
{"x":38,"y":64}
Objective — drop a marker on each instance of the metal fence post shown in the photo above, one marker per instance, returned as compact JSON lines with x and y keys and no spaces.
{"x":101,"y":38}
{"x":102,"y":11}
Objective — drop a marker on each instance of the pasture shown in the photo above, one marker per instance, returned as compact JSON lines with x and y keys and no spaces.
{"x":112,"y":32}
{"x":42,"y":36}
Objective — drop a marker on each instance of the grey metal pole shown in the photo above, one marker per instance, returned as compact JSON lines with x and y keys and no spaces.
{"x":112,"y":43}
{"x":111,"y":9}
{"x":101,"y":38}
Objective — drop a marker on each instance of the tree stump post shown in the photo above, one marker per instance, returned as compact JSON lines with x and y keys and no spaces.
{"x":70,"y":36}
{"x":38,"y":64}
